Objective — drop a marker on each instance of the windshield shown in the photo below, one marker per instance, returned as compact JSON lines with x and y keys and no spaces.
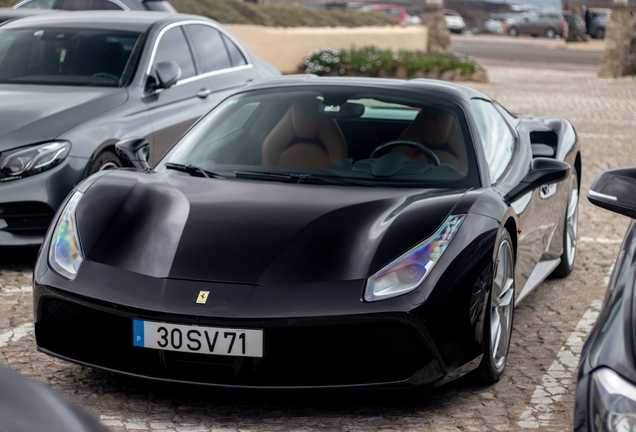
{"x":78,"y":57}
{"x":371,"y":138}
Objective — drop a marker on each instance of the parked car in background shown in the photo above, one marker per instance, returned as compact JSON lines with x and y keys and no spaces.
{"x":606,"y":389}
{"x":28,"y":406}
{"x":76,"y":5}
{"x":597,"y":22}
{"x":454,"y":21}
{"x":73,"y":84}
{"x":396,"y":11}
{"x":493,"y":26}
{"x":549,"y":24}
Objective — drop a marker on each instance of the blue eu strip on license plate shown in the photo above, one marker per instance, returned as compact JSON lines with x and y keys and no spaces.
{"x":138,"y":333}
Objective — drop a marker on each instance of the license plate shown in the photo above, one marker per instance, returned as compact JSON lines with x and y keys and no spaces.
{"x":196,"y":339}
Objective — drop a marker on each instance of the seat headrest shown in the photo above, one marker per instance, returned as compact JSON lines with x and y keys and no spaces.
{"x":431,"y":127}
{"x":306,"y":117}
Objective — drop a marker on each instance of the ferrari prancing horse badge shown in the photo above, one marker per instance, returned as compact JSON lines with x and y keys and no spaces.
{"x":203,"y":297}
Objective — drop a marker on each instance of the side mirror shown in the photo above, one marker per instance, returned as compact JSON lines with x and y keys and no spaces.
{"x":542,"y":171}
{"x":135,"y":151}
{"x":166,"y":75}
{"x":615,"y":190}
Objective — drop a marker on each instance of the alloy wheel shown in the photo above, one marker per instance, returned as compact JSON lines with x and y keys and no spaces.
{"x":108,"y":166}
{"x":501,"y":305}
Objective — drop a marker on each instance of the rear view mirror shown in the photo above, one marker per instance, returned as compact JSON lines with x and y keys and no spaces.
{"x":166,"y":75}
{"x":135,"y":151}
{"x":347,"y":110}
{"x":542,"y":171}
{"x":615,"y":190}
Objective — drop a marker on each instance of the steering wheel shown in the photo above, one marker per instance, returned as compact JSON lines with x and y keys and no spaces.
{"x":105,"y":75}
{"x":432,"y":157}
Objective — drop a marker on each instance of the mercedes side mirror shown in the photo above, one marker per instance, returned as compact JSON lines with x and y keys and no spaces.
{"x":542,"y":171}
{"x":615,"y":190}
{"x":165,"y":75}
{"x":135,"y":151}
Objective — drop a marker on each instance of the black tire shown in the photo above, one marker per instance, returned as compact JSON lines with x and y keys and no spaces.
{"x":491,"y":369}
{"x":105,"y":160}
{"x":550,"y":33}
{"x":600,"y":33}
{"x":534,"y":35}
{"x":513,"y":31}
{"x":568,"y":257}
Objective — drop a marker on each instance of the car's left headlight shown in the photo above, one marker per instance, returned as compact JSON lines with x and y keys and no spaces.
{"x":15,"y":164}
{"x":612,"y":402}
{"x":65,"y":251}
{"x":409,"y":270}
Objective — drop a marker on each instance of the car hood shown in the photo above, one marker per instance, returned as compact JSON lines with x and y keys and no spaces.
{"x":171,"y":225}
{"x":32,"y":114}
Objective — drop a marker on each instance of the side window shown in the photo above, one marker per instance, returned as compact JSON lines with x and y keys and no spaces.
{"x":211,"y":52}
{"x":76,"y":5}
{"x":106,"y":5}
{"x":37,"y":4}
{"x":496,"y":138}
{"x":173,"y":47}
{"x":237,"y":57}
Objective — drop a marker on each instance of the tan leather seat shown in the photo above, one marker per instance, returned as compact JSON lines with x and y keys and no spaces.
{"x":304,"y":138}
{"x":438,"y":131}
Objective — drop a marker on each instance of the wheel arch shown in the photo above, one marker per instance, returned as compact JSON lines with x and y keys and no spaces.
{"x":511,"y":226}
{"x":578,"y":165}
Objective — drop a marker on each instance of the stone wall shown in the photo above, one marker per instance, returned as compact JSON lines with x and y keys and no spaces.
{"x":619,"y":57}
{"x":285,"y":48}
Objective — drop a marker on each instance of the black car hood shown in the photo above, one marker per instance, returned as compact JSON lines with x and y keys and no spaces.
{"x":171,"y":225}
{"x":31,"y":114}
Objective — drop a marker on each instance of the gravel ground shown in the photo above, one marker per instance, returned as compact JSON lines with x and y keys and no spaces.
{"x":537,"y":389}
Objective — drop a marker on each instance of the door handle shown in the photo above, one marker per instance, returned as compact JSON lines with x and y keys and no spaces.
{"x":203,"y":93}
{"x":249,"y":80}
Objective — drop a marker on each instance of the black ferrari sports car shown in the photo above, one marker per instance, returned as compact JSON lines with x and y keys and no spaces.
{"x":606,"y":387}
{"x":315,"y":232}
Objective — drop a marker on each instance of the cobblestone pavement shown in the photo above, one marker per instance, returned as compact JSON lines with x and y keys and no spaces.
{"x":537,"y":389}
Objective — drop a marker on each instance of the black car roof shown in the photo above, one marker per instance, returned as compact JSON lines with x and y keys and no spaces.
{"x":137,"y":21}
{"x":452,"y":90}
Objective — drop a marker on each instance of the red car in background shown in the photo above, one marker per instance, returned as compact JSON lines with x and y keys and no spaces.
{"x":397,"y":11}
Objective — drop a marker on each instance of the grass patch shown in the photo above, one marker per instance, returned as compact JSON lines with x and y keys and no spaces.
{"x":374,"y":62}
{"x":238,"y":12}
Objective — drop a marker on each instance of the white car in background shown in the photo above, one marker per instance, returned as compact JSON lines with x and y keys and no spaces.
{"x":454,"y":21}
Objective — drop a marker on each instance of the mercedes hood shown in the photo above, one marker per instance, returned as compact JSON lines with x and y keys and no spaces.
{"x":31,"y":114}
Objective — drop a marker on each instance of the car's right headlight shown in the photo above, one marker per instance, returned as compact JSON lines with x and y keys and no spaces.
{"x":612,"y":402}
{"x":15,"y":164}
{"x":65,"y":251}
{"x":408,"y":271}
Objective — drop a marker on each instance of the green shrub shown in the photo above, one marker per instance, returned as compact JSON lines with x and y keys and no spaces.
{"x":374,"y":62}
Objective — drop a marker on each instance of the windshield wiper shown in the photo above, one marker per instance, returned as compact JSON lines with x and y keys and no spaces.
{"x":193,"y":170}
{"x":302,"y":178}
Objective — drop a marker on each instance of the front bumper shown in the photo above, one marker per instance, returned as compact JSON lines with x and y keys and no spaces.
{"x":380,"y":350}
{"x":27,"y":205}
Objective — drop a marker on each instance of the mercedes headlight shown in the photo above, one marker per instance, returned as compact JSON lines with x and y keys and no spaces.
{"x":65,"y":252}
{"x":408,"y":271}
{"x":25,"y":162}
{"x":612,"y":402}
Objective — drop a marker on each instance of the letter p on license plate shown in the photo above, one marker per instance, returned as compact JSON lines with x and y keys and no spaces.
{"x":196,"y":339}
